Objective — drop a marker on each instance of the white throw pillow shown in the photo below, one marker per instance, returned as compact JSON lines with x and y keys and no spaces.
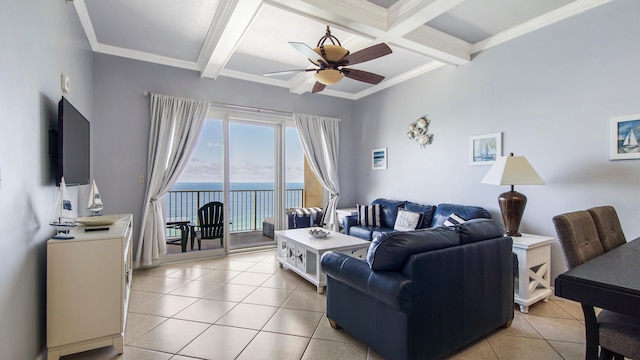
{"x":407,"y":220}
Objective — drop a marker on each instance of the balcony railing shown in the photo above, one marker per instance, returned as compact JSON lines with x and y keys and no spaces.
{"x":247,"y":208}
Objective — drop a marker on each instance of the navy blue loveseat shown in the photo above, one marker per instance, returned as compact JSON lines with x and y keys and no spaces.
{"x":432,"y":216}
{"x":423,"y":294}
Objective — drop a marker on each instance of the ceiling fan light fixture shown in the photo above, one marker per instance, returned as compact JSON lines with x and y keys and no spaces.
{"x":332,"y":53}
{"x":328,"y":76}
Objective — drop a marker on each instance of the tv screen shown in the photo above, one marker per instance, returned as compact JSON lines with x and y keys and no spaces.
{"x":70,"y":146}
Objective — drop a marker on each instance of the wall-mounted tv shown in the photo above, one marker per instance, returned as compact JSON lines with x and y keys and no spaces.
{"x":69,"y":145}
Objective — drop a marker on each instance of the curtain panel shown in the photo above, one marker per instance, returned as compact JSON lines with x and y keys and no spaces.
{"x":176,"y":124}
{"x":320,"y":139}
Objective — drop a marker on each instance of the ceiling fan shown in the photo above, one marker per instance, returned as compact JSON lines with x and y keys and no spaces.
{"x":331,"y":61}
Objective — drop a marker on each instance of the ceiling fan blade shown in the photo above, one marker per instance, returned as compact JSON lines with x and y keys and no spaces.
{"x":317,"y":87}
{"x":364,"y":76}
{"x":370,"y":53}
{"x":307,"y":51}
{"x":285,"y":72}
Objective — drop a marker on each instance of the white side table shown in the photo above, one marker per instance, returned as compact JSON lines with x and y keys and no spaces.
{"x":534,"y":269}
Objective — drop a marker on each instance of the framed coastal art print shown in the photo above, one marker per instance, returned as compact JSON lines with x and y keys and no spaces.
{"x":379,"y":159}
{"x":624,"y":132}
{"x":485,"y":149}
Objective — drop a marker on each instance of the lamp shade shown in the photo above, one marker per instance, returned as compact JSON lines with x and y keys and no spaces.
{"x":328,"y":76}
{"x":512,"y":170}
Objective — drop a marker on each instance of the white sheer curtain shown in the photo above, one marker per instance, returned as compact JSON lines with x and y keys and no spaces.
{"x":320,"y":138}
{"x":175,"y":128}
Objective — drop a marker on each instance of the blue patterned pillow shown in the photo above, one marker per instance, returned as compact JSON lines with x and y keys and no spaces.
{"x":369,"y":215}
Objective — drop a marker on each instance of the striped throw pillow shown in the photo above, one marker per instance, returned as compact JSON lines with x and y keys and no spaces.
{"x":454,"y":219}
{"x":369,"y":215}
{"x":307,"y":211}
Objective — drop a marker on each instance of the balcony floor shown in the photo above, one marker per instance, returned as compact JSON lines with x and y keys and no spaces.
{"x":237,"y":240}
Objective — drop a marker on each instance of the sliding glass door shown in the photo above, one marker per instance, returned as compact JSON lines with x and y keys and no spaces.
{"x":252,"y":182}
{"x":253,"y":164}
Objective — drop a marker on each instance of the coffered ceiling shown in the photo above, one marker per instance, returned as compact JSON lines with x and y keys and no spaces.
{"x":245,"y":38}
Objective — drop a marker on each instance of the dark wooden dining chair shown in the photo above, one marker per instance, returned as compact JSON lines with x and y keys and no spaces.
{"x":618,"y":334}
{"x":608,"y":227}
{"x":210,"y":224}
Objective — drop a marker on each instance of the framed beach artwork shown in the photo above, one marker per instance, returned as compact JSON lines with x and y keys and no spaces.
{"x":485,"y":149}
{"x":379,"y":159}
{"x":624,"y":132}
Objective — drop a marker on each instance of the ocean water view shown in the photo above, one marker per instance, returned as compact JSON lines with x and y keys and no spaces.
{"x":250,"y":203}
{"x":217,"y":186}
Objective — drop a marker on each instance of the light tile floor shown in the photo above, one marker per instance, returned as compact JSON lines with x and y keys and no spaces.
{"x":245,"y":306}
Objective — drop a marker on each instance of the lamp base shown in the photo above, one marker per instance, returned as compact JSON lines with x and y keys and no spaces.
{"x":512,"y":204}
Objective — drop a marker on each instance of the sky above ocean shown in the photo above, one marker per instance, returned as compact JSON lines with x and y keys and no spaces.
{"x":251,"y":154}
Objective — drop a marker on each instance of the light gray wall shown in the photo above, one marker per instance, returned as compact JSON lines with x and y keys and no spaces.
{"x":551,"y":93}
{"x":39,"y":41}
{"x":122,"y":121}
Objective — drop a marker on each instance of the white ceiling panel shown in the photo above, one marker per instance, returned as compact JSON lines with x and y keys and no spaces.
{"x":171,"y":28}
{"x":246,"y":38}
{"x":476,"y":20}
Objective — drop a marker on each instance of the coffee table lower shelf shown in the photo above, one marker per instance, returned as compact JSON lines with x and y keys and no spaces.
{"x":301,"y":253}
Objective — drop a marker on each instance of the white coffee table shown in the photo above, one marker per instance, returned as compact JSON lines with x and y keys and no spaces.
{"x":301,"y":253}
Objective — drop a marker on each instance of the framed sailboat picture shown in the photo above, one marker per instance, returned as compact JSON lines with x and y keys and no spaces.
{"x":485,"y":149}
{"x":624,"y":135}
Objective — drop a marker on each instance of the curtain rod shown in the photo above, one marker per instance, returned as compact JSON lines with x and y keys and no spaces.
{"x":244,"y":107}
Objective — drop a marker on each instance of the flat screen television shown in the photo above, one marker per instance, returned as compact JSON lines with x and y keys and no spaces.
{"x":69,"y":145}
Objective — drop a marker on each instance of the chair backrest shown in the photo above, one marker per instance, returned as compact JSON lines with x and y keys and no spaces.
{"x":210,"y":220}
{"x":608,"y":226}
{"x":578,"y":237}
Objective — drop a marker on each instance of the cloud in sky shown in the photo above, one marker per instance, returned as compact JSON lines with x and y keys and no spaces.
{"x":251,"y":155}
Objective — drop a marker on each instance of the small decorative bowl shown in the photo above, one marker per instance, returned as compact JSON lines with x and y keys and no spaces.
{"x":318,"y":233}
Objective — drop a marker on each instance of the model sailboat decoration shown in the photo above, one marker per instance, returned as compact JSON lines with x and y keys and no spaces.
{"x":63,"y":218}
{"x":95,"y":202}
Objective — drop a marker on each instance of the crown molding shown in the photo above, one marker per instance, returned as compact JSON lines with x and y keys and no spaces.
{"x":430,"y":66}
{"x":539,"y":22}
{"x":85,"y":21}
{"x":145,"y":56}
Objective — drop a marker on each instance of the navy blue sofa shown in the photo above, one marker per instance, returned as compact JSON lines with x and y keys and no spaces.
{"x":423,"y":294}
{"x":432,"y":216}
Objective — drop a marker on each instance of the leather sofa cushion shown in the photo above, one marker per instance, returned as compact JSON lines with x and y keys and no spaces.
{"x":467,"y":212}
{"x":389,"y":251}
{"x":479,"y":229}
{"x":426,"y":210}
{"x":389,"y":287}
{"x":368,"y":232}
{"x":388,"y":211}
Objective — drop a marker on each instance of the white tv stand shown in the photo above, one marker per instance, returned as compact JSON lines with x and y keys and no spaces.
{"x":88,"y":280}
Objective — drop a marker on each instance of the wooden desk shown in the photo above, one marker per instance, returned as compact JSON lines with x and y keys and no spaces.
{"x":611,"y":281}
{"x":183,"y":225}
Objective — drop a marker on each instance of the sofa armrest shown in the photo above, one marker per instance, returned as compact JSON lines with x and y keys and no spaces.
{"x":349,"y":221}
{"x":389,"y":287}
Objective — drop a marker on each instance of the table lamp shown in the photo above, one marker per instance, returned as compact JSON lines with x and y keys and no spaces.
{"x":512,"y":170}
